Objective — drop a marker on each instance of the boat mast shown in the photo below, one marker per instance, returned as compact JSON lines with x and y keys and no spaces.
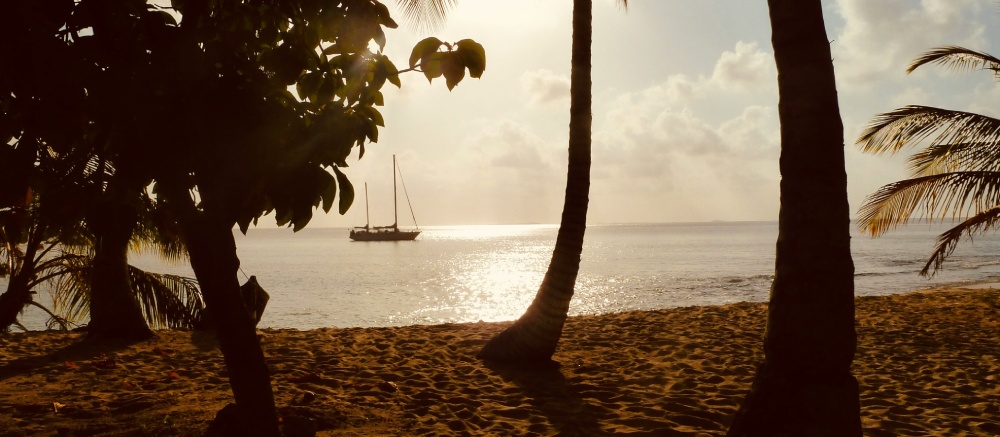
{"x":368,"y":219}
{"x":395,"y":219}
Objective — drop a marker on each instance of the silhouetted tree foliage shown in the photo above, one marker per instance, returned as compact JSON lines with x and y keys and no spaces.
{"x":200,"y":109}
{"x":956,"y":174}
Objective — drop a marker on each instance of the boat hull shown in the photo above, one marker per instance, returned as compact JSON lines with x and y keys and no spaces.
{"x":390,"y":235}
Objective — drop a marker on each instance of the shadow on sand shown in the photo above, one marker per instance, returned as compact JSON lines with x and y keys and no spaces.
{"x":84,"y":349}
{"x":556,"y":398}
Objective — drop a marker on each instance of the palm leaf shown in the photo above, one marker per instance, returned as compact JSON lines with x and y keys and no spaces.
{"x":957,"y":193}
{"x":167,"y":301}
{"x":948,"y":241}
{"x":70,"y":287}
{"x":943,"y":158}
{"x":957,"y":58}
{"x":910,"y":125}
{"x":426,"y":14}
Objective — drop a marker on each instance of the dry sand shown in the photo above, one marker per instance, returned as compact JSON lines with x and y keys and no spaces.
{"x":927,"y":363}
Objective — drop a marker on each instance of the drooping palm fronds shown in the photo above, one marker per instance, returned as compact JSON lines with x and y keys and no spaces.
{"x":912,"y":125}
{"x":944,"y":158}
{"x":70,"y":287}
{"x":956,"y":194}
{"x":957,"y":58}
{"x":426,"y":14}
{"x":167,"y":301}
{"x":958,"y":171}
{"x":948,"y":241}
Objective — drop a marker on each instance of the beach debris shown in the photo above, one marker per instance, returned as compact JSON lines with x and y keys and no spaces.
{"x":307,"y":397}
{"x":105,"y":364}
{"x":388,"y":386}
{"x":72,"y":365}
{"x":56,"y":406}
{"x":162,"y":352}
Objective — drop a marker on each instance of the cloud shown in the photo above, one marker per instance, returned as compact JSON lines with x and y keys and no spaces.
{"x":880,"y":38}
{"x":543,"y":87}
{"x":510,"y":145}
{"x":745,"y":68}
{"x":664,"y":154}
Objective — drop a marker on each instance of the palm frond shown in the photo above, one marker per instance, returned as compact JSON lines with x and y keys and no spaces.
{"x":957,"y":58}
{"x":167,"y":301}
{"x":426,"y":14}
{"x":943,"y":158}
{"x":71,"y":290}
{"x":956,"y":193}
{"x":948,"y":241}
{"x":911,"y":125}
{"x":54,"y":320}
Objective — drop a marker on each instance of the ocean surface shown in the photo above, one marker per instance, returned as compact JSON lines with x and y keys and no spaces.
{"x":320,"y":278}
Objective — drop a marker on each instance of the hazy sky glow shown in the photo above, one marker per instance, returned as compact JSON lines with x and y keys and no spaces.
{"x":685,"y":108}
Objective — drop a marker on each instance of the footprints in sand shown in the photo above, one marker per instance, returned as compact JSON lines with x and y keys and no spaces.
{"x":927,"y":364}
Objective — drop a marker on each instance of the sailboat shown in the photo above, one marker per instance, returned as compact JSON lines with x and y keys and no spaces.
{"x":386,"y":233}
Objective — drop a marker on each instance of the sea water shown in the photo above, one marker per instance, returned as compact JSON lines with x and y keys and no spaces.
{"x":320,"y":278}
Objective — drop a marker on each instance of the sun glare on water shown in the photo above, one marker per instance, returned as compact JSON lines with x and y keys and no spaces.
{"x":495,"y":282}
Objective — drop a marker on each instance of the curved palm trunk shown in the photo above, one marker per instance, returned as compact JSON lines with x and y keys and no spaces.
{"x":534,"y":336}
{"x":805,"y":386}
{"x":212,"y":250}
{"x":114,"y":310}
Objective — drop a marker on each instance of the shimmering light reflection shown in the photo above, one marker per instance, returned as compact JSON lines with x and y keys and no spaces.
{"x":497,"y":281}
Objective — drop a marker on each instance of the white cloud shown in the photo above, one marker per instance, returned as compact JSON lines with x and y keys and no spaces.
{"x":544,"y":86}
{"x":510,"y":145}
{"x":880,"y":38}
{"x":746,"y":68}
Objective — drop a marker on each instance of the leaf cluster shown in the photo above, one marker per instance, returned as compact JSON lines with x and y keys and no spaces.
{"x":437,"y":58}
{"x":956,"y":174}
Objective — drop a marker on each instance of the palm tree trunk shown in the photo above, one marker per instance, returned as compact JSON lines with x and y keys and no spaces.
{"x":212,"y":250}
{"x":805,"y":386}
{"x":114,"y":309}
{"x":534,"y":336}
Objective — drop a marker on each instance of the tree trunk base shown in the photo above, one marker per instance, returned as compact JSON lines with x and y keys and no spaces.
{"x":520,"y":342}
{"x":793,"y":405}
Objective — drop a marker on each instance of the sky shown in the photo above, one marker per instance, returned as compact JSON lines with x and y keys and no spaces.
{"x":685,"y":108}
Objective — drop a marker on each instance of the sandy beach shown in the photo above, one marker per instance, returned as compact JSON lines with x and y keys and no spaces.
{"x":927,"y":362}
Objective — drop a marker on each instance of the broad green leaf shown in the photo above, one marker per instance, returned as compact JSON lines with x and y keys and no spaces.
{"x":166,"y":17}
{"x":474,"y":56}
{"x":244,"y":224}
{"x":308,"y":86}
{"x":373,"y":115}
{"x":380,"y":39}
{"x":431,"y":65}
{"x":302,"y":217}
{"x":452,"y":68}
{"x":424,"y":48}
{"x":329,"y":191}
{"x":383,"y":14}
{"x":327,"y":89}
{"x":391,"y":72}
{"x":346,"y":191}
{"x":379,"y":75}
